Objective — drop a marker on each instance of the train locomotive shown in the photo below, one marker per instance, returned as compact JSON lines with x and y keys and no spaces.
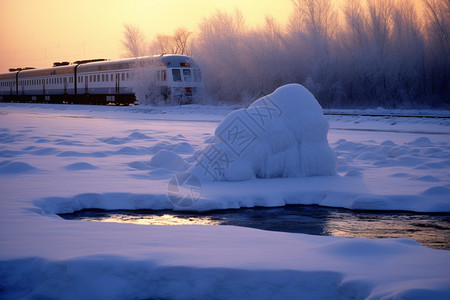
{"x":100,"y":81}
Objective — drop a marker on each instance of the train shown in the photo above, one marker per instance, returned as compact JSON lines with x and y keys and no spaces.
{"x":99,"y":81}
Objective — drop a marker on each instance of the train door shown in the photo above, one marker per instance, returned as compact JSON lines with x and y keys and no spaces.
{"x":65,"y":84}
{"x":117,"y":83}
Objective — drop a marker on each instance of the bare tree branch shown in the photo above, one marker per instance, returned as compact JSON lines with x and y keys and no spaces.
{"x":134,"y":41}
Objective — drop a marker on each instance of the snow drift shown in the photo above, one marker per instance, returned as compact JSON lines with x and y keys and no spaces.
{"x":63,"y":158}
{"x":283,"y":134}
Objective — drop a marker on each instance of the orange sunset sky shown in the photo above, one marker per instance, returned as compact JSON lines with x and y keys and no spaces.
{"x":36,"y":33}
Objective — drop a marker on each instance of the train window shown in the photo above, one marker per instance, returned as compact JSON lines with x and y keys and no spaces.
{"x":112,"y":77}
{"x":176,"y":74}
{"x":197,"y":75}
{"x":187,"y":76}
{"x":98,"y":77}
{"x":90,"y":78}
{"x":128,"y":76}
{"x":103,"y":77}
{"x":123,"y":76}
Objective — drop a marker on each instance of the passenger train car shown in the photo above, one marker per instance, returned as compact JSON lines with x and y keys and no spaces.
{"x":175,"y":77}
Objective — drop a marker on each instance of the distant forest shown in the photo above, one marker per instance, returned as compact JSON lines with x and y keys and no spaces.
{"x":366,"y":53}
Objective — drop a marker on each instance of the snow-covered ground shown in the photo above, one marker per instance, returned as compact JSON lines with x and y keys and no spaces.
{"x":63,"y":158}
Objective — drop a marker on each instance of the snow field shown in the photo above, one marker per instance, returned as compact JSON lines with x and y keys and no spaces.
{"x":57,"y":159}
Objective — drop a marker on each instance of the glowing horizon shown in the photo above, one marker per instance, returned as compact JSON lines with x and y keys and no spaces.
{"x":38,"y":33}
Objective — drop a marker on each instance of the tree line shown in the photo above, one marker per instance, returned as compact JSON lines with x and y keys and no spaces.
{"x":366,"y":53}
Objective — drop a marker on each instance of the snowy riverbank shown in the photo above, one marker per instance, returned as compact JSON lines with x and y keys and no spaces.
{"x":62,"y":158}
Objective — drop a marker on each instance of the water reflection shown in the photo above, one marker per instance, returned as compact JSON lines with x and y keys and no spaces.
{"x":432,"y":230}
{"x":150,"y":219}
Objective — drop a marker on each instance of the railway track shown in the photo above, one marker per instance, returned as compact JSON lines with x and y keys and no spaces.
{"x":444,"y":116}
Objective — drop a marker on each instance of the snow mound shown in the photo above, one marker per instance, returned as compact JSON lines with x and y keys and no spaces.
{"x":15,"y":167}
{"x":283,"y":134}
{"x":80,"y":166}
{"x":168,"y":160}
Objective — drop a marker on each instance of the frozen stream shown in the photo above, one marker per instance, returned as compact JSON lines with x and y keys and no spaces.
{"x":432,"y":230}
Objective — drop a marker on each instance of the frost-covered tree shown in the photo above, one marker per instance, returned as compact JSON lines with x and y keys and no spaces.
{"x":134,"y":42}
{"x":177,"y":43}
{"x":366,"y":53}
{"x":220,"y":49}
{"x":437,"y":24}
{"x":314,"y":20}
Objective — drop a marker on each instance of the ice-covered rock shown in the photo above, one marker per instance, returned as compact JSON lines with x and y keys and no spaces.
{"x":283,"y":134}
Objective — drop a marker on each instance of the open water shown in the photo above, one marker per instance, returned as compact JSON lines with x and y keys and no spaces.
{"x":431,"y":230}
